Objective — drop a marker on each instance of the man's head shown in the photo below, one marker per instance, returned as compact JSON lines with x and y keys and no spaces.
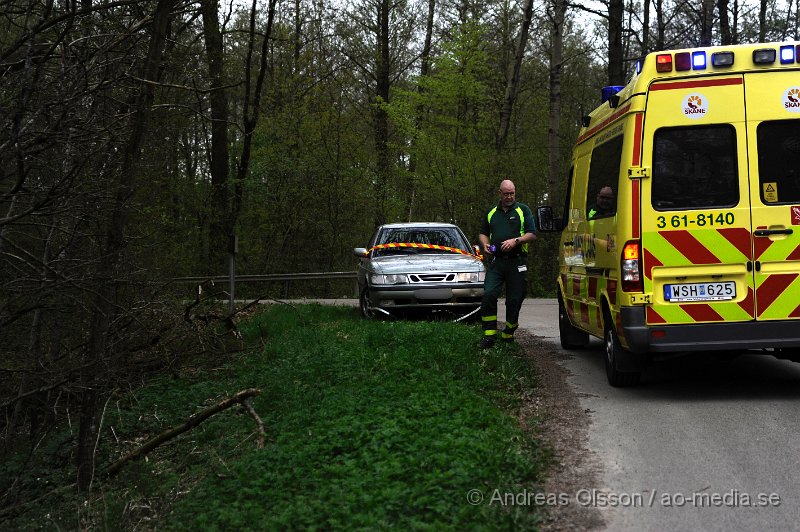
{"x":605,"y":199}
{"x":507,"y":193}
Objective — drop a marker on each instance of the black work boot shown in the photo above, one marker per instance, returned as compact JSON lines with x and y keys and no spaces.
{"x":508,"y":333}
{"x":487,"y":342}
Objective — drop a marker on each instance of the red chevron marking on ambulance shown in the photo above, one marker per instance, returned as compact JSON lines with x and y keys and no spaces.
{"x":690,"y":247}
{"x":654,"y":317}
{"x":795,"y":313}
{"x":760,"y":245}
{"x":768,"y":292}
{"x":592,"y":287}
{"x":702,"y":312}
{"x":747,"y":303}
{"x":650,"y":262}
{"x":795,"y":254}
{"x":739,"y":237}
{"x":584,"y":313}
{"x":611,"y":288}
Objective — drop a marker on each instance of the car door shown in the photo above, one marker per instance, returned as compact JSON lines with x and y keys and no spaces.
{"x":773,"y":129}
{"x":695,"y":203}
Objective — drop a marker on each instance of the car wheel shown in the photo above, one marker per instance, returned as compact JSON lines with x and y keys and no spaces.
{"x":620,"y":379}
{"x":571,"y":336}
{"x":363,"y":302}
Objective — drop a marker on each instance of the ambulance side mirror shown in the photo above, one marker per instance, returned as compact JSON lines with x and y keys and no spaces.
{"x":546,"y":222}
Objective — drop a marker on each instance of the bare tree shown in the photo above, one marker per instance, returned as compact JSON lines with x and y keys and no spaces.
{"x":512,"y":83}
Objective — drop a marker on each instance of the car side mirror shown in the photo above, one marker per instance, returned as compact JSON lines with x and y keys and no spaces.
{"x":361,"y":253}
{"x":546,"y":222}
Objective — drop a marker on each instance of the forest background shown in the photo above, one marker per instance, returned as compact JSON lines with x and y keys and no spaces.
{"x":138,"y":137}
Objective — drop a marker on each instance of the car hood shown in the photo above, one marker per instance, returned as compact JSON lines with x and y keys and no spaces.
{"x":425,"y":263}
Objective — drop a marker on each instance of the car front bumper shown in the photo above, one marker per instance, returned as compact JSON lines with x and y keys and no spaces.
{"x":462,"y":296}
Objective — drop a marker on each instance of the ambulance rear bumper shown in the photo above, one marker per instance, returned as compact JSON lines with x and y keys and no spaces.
{"x":643,"y":338}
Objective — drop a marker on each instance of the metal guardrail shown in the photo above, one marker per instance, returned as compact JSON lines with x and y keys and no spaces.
{"x":268,"y":277}
{"x":287,"y":278}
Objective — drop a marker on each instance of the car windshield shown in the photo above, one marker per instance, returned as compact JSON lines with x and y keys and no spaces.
{"x":437,"y":236}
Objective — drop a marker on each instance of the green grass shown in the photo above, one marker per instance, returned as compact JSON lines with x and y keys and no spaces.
{"x":383,"y":424}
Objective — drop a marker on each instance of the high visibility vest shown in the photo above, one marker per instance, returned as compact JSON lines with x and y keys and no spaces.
{"x":521,"y":224}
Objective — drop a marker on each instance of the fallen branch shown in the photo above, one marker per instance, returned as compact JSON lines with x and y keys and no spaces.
{"x":262,"y":432}
{"x":192,"y":422}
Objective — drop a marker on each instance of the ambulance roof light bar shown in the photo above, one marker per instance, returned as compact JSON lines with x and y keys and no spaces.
{"x":698,"y":60}
{"x":764,"y":56}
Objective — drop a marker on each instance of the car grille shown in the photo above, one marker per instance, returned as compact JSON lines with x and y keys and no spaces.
{"x":432,"y":277}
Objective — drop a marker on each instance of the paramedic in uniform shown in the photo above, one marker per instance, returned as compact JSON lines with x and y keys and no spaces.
{"x":509,"y":226}
{"x":605,"y":203}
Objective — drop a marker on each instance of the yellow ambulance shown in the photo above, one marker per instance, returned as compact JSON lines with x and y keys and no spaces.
{"x":681,"y":227}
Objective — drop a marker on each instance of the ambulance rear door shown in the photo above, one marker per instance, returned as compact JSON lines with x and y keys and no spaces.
{"x":695,"y":202}
{"x":773,"y":129}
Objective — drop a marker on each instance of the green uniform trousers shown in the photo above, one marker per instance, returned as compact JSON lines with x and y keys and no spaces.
{"x":513,"y":272}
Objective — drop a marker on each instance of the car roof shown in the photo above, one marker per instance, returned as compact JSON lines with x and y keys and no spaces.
{"x":416,"y":224}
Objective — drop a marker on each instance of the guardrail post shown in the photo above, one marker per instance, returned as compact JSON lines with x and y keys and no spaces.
{"x":233,"y":247}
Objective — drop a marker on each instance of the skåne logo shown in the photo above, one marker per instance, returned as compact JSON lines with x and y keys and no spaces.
{"x":695,"y":106}
{"x":791,"y":99}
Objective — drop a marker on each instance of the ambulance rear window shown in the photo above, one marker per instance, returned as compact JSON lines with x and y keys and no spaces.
{"x":779,"y":161}
{"x":695,"y":168}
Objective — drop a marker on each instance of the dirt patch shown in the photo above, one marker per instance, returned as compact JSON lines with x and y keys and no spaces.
{"x":566,"y":426}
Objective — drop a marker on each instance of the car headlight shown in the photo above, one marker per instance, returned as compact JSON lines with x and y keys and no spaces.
{"x":471,"y":277}
{"x":388,"y":279}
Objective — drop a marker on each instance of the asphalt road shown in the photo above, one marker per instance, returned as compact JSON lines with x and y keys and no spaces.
{"x":702,"y":444}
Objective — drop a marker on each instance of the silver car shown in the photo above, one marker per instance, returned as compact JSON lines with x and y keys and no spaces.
{"x":420,"y":266}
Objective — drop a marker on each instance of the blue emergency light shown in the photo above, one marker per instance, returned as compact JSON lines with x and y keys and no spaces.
{"x":698,"y":60}
{"x":787,"y":54}
{"x":609,"y":91}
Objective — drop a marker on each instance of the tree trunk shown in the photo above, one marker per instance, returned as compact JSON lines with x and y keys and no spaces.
{"x":660,"y":26}
{"x":423,"y":73}
{"x":556,"y":60}
{"x":646,"y":28}
{"x":219,"y":229}
{"x":512,"y":87}
{"x":383,"y":167}
{"x":706,"y":22}
{"x":762,"y":21}
{"x":616,"y":66}
{"x":724,"y":23}
{"x":105,"y":301}
{"x":252,"y":106}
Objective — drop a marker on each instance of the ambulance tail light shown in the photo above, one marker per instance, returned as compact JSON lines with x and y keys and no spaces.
{"x":631,"y":267}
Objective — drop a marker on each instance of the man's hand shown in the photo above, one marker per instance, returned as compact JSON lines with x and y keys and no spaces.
{"x":508,"y":245}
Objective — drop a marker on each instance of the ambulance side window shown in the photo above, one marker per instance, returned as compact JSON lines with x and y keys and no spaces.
{"x":695,"y":168}
{"x":779,"y":161}
{"x":601,"y":193}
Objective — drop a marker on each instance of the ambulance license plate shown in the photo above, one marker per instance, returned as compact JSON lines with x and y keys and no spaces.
{"x":700,"y":291}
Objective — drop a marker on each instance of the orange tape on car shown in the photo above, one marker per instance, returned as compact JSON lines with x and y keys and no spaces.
{"x":423,"y":246}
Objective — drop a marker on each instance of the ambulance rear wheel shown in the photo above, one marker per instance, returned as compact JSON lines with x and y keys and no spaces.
{"x":614,"y":350}
{"x":571,"y":336}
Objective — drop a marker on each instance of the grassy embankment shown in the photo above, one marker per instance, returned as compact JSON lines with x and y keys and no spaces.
{"x":369,"y":424}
